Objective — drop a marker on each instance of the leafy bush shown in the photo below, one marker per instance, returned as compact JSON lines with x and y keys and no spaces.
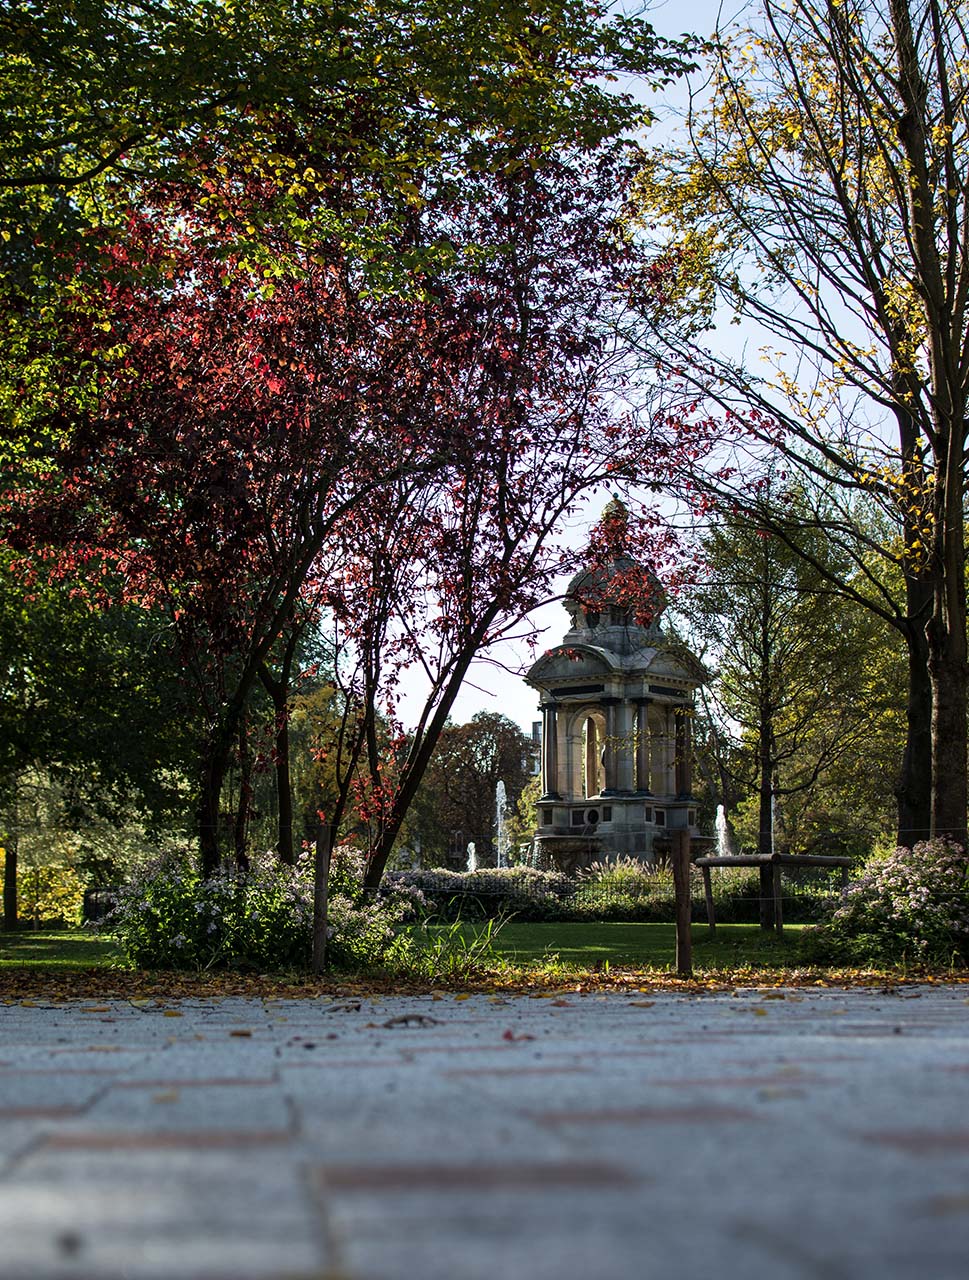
{"x":167,"y":916}
{"x":912,"y":904}
{"x":487,"y":893}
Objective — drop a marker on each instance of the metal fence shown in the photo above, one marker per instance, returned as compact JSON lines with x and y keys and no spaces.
{"x":578,"y":899}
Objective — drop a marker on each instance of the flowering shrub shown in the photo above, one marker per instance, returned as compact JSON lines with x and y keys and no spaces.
{"x":912,"y":904}
{"x":487,"y":892}
{"x":167,"y":916}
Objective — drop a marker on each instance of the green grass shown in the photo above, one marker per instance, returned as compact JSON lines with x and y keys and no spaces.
{"x":653,"y":945}
{"x":55,"y":949}
{"x":527,"y":945}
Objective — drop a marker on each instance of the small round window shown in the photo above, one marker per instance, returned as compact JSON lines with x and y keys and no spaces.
{"x":592,"y":816}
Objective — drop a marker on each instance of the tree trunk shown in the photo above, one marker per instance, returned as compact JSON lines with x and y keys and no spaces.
{"x":765,"y":835}
{"x":11,"y":849}
{"x":241,"y":833}
{"x":278,"y":690}
{"x":947,"y":668}
{"x":214,"y":768}
{"x":414,"y":771}
{"x":681,"y":881}
{"x":913,"y":790}
{"x":284,"y":789}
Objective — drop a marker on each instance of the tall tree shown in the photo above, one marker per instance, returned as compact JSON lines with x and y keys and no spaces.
{"x":439,"y":572}
{"x":91,"y":700}
{"x":823,"y":198}
{"x":793,"y":693}
{"x":238,"y":421}
{"x":459,"y":787}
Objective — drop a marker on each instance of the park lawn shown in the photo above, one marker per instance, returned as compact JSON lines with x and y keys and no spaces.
{"x":585,"y":945}
{"x":58,"y":949}
{"x":643,"y":945}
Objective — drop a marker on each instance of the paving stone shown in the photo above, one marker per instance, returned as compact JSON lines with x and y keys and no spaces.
{"x":818,"y":1135}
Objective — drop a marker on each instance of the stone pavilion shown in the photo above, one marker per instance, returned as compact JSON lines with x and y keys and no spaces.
{"x":617,"y":707}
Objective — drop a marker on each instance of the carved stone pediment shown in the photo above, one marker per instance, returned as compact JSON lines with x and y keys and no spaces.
{"x":580,"y":664}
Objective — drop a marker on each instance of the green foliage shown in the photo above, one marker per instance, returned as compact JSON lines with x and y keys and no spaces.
{"x":92,"y":695}
{"x":452,"y":952}
{"x":628,"y":876}
{"x":807,"y":689}
{"x":487,"y":893}
{"x":48,"y":894}
{"x":168,"y":917}
{"x":912,"y":904}
{"x":455,"y":802}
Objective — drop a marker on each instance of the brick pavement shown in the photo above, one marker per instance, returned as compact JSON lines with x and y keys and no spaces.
{"x":822,"y":1134}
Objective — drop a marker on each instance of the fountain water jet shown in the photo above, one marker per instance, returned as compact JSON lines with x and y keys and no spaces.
{"x":501,"y":841}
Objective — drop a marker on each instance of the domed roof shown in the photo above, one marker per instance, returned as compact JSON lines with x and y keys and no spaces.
{"x":616,"y":590}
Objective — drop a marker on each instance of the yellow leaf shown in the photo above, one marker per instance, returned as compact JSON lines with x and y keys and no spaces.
{"x":171,"y":1013}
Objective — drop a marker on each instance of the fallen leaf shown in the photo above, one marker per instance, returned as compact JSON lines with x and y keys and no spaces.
{"x":642,"y":1004}
{"x":463,"y":995}
{"x":510,"y":1035}
{"x":169,"y":1095}
{"x":412,"y":1020}
{"x":172,"y":1013}
{"x":240,"y":1032}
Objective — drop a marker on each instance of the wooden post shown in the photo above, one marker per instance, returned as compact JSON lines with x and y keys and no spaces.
{"x":708,"y":894}
{"x":321,"y":885}
{"x":778,"y":910}
{"x":681,"y":884}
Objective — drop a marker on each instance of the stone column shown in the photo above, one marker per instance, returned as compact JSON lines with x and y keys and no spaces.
{"x":642,"y":745}
{"x":625,"y":749}
{"x":684,"y":750}
{"x":591,"y":757}
{"x":550,"y":752}
{"x":610,"y":706}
